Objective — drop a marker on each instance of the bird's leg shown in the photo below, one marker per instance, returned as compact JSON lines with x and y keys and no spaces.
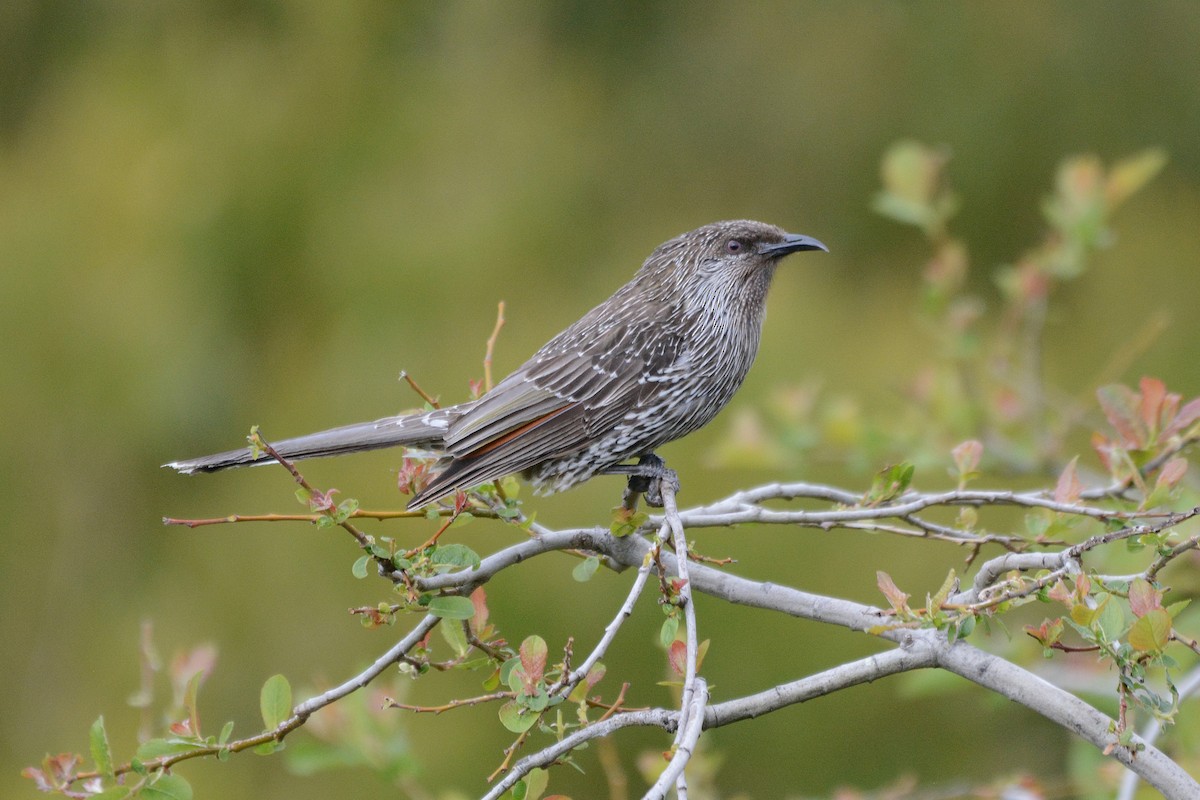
{"x":645,"y":478}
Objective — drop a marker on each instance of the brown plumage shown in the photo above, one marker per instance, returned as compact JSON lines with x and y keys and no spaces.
{"x":650,"y":364}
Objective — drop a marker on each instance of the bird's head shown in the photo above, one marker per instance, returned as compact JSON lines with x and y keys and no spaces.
{"x":735,"y":259}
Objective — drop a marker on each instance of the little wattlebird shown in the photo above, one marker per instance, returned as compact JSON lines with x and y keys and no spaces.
{"x":650,"y":364}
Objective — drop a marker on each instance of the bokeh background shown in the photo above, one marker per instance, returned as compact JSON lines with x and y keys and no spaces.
{"x":227,"y":213}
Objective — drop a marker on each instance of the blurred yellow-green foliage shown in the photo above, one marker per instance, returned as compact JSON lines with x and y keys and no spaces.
{"x":226,"y":213}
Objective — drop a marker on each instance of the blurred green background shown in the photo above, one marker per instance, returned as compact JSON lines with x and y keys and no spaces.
{"x":220,"y":214}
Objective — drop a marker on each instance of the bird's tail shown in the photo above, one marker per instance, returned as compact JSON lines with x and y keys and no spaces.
{"x":416,"y":430}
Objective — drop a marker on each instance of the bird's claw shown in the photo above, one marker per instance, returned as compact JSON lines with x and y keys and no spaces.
{"x":646,"y":477}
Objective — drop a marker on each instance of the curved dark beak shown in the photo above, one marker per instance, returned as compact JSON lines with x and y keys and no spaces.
{"x":792,"y":243}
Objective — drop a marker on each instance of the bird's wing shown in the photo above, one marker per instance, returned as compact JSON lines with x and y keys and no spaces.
{"x":555,"y":404}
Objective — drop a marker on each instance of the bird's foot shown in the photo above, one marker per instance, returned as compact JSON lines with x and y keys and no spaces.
{"x":645,"y":478}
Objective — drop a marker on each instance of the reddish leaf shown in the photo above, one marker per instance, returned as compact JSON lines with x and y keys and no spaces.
{"x":595,"y":674}
{"x":1172,"y":472}
{"x":1119,"y":404}
{"x":322,"y":501}
{"x":1068,"y":488}
{"x":1143,"y":597}
{"x":1154,"y":392}
{"x":185,"y":664}
{"x":1048,"y":633}
{"x":1103,"y":448}
{"x":479,"y":600}
{"x":897,"y":598}
{"x":56,"y":772}
{"x":533,"y":659}
{"x":1060,"y":593}
{"x":677,"y":657}
{"x":1184,"y":419}
{"x":413,"y":475}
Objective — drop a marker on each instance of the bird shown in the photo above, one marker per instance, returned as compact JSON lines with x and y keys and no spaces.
{"x":654,"y":362}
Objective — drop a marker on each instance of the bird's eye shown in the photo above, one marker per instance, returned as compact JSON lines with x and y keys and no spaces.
{"x":734,"y":246}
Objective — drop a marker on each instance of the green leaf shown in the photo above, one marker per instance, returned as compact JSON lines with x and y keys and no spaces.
{"x":515,"y":718}
{"x":452,"y":607}
{"x":624,"y":522}
{"x":538,"y":700}
{"x":535,"y":783}
{"x":1111,"y":619}
{"x":943,"y":592}
{"x":1130,"y":174}
{"x":345,"y":510}
{"x":506,"y":670}
{"x":1151,"y":632}
{"x":456,"y":637}
{"x":455,"y":555}
{"x":889,"y":483}
{"x":275,"y":701}
{"x":189,"y":701}
{"x":226,"y":732}
{"x":359,"y":570}
{"x":1175,"y":608}
{"x":168,"y":787}
{"x":585,"y":569}
{"x":101,"y":754}
{"x":666,"y":634}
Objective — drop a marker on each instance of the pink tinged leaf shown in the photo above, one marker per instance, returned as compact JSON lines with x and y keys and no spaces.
{"x":1172,"y":472}
{"x":200,"y":659}
{"x":1060,"y":593}
{"x":1068,"y":488}
{"x":595,"y":674}
{"x":1143,"y":598}
{"x":322,"y":501}
{"x":1154,"y":392}
{"x":1184,"y":419}
{"x":533,"y":659}
{"x":1048,"y":633}
{"x":479,"y":600}
{"x":56,"y":772}
{"x":1119,"y":406}
{"x":1103,"y":448}
{"x":677,"y":657}
{"x":897,"y":598}
{"x":967,"y":455}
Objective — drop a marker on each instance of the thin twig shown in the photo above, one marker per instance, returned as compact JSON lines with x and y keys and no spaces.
{"x":491,"y":346}
{"x":404,"y":376}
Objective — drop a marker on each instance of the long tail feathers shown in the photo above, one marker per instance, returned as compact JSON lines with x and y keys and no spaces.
{"x":418,"y":430}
